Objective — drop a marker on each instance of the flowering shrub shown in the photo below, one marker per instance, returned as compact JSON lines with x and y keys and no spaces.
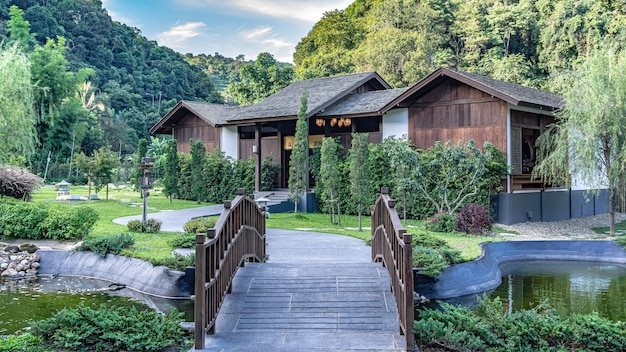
{"x":474,"y":219}
{"x":441,"y":222}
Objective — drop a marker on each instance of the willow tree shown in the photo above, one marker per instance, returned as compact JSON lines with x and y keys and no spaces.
{"x":18,"y":135}
{"x":588,"y":140}
{"x":298,"y":168}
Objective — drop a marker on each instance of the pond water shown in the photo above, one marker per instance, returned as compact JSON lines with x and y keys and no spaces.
{"x":25,"y":301}
{"x":569,"y":286}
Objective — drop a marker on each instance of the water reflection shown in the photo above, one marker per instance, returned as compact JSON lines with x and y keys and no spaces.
{"x":25,"y":301}
{"x":570,"y":287}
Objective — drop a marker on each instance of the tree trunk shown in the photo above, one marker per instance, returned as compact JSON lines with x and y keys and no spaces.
{"x":360,"y":228}
{"x":612,"y":209}
{"x":338,"y":213}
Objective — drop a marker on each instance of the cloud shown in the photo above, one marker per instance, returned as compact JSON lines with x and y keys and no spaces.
{"x":265,"y":37}
{"x":176,"y":36}
{"x":301,"y":10}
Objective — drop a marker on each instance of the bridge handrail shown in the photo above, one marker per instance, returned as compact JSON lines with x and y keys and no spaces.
{"x":392,"y":246}
{"x":238,"y":235}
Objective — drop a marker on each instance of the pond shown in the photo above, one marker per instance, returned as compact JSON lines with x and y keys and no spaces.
{"x":569,"y":286}
{"x":25,"y":301}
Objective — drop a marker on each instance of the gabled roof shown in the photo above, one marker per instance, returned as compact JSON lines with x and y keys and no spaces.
{"x":323,"y":92}
{"x":514,"y":94}
{"x":367,"y":103}
{"x":213,"y":114}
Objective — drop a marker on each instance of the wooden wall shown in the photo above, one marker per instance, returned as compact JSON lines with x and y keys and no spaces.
{"x":192,"y":127}
{"x":454,"y":111}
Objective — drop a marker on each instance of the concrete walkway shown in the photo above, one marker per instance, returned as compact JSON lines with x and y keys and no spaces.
{"x":317,"y":292}
{"x":174,"y":220}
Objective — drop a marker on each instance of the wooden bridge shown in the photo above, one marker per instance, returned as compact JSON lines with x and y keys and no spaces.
{"x":315,"y":292}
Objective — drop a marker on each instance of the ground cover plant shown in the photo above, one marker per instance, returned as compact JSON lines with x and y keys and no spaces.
{"x":490,"y":328}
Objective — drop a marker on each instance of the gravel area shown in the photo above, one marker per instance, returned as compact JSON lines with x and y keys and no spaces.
{"x":573,"y":229}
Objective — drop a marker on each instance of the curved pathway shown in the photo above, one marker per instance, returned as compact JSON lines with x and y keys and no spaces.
{"x":174,"y":220}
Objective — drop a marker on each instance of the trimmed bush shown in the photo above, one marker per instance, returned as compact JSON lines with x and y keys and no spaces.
{"x":441,"y":222}
{"x":134,"y":225}
{"x":55,"y":221}
{"x":184,"y":241}
{"x":433,"y":255}
{"x":109,"y":244}
{"x":177,"y":262}
{"x":474,"y":219}
{"x":152,"y":225}
{"x":199,"y":225}
{"x":111,"y":329}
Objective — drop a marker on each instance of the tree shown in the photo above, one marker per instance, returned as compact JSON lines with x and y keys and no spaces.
{"x":259,"y":80}
{"x":588,"y":141}
{"x":403,"y":160}
{"x":360,"y":177}
{"x":172,"y":171}
{"x":330,"y":176}
{"x":18,"y":135}
{"x":298,"y":165}
{"x":19,"y":29}
{"x":105,"y":160}
{"x":197,"y":164}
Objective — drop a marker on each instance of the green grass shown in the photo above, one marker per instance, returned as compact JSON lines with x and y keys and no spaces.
{"x":468,"y":245}
{"x":124,"y":202}
{"x":620,"y":227}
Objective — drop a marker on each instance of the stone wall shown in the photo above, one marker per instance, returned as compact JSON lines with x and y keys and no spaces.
{"x":18,"y":262}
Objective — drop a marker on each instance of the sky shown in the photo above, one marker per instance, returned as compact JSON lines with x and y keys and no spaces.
{"x":229,"y":27}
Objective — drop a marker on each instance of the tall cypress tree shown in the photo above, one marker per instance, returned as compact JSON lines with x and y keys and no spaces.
{"x":330,"y":176}
{"x":298,"y":168}
{"x":199,"y":187}
{"x":172,"y":171}
{"x":360,"y":175}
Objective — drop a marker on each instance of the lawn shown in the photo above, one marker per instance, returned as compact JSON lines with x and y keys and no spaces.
{"x":157,"y":247}
{"x":125,"y":202}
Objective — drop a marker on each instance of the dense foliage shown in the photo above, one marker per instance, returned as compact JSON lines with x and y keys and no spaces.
{"x":110,"y":244}
{"x":298,"y":161}
{"x":199,"y":225}
{"x":110,"y":329}
{"x":17,"y":182}
{"x":45,"y":221}
{"x":474,"y":219}
{"x":521,"y":42}
{"x":433,"y":255}
{"x":490,"y":328}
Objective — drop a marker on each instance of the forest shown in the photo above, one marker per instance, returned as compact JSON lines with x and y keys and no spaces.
{"x":97,"y":83}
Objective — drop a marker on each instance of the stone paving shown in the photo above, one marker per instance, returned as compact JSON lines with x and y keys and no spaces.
{"x":317,"y":292}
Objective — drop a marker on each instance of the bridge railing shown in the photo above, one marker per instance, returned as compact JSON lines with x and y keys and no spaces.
{"x":238,"y":235}
{"x":392,"y":246}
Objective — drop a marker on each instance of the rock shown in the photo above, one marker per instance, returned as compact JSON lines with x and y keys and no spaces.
{"x":19,"y":267}
{"x":12,"y":265}
{"x":29,"y":247}
{"x":9,"y":273}
{"x":31,"y":271}
{"x":2,"y":260}
{"x":35,"y":265}
{"x":12,"y":249}
{"x":4,"y":266}
{"x":25,"y":262}
{"x":13,"y":258}
{"x":36,"y":257}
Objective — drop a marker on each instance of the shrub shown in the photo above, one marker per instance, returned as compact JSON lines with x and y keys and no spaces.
{"x":474,"y":219}
{"x":177,"y":262}
{"x":269,"y":170}
{"x":441,"y":222}
{"x":45,"y":221}
{"x":110,"y":329}
{"x":199,"y":225}
{"x":109,"y":244}
{"x":17,"y":182}
{"x":152,"y":225}
{"x":490,"y":328}
{"x":183,"y":241}
{"x":134,"y":225}
{"x":21,"y":343}
{"x":433,"y":255}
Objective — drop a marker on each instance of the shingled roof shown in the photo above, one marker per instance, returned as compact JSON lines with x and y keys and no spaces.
{"x":213,"y":114}
{"x":323,"y":92}
{"x":512,"y":93}
{"x":367,"y":103}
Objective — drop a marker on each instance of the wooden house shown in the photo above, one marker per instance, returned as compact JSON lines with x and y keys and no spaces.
{"x":447,"y":105}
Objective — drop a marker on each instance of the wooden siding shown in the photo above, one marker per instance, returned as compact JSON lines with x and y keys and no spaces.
{"x":193,"y":127}
{"x":456,"y":112}
{"x":269,"y":145}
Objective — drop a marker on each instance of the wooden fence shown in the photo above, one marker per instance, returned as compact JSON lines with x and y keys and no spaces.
{"x":392,"y":246}
{"x":238,"y":235}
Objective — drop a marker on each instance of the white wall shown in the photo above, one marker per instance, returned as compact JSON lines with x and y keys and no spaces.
{"x":229,"y":141}
{"x":396,"y":123}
